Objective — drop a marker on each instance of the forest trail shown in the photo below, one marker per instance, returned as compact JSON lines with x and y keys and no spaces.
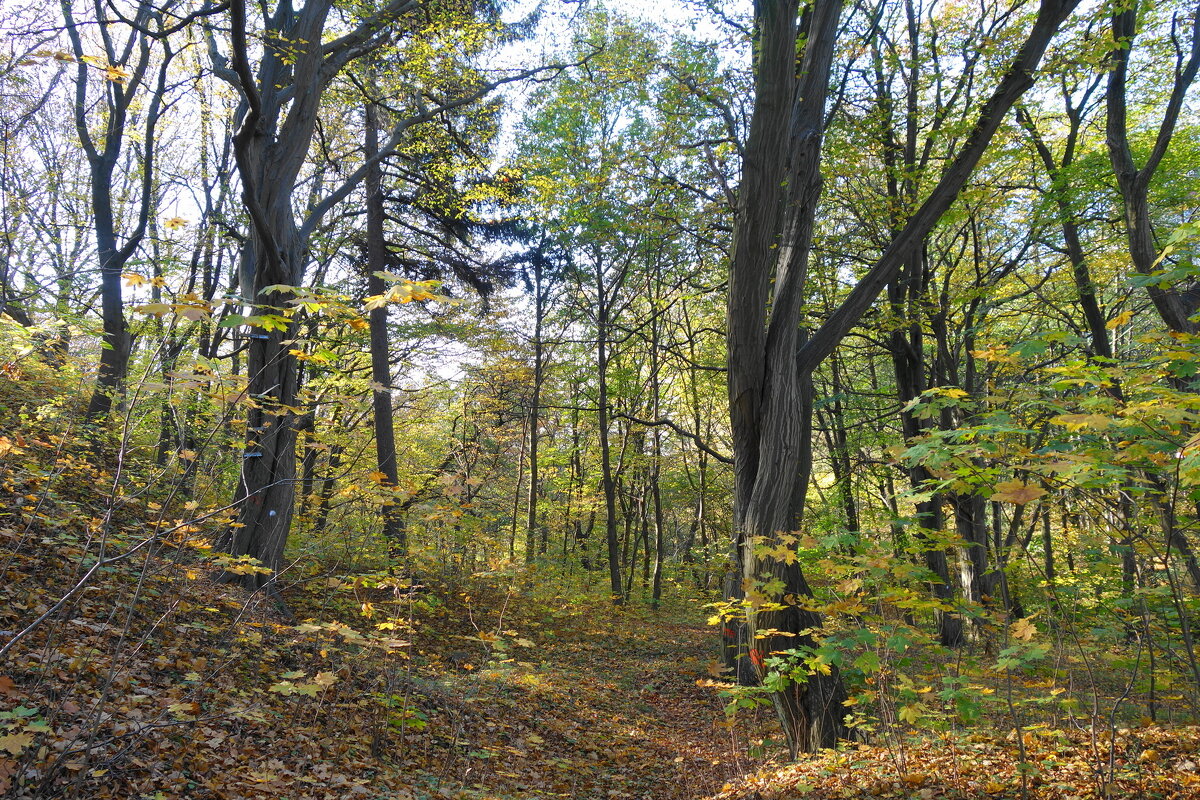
{"x":628,"y":719}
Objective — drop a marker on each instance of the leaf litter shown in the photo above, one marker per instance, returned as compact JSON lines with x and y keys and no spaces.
{"x":154,"y":681}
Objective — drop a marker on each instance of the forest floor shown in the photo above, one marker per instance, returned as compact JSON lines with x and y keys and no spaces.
{"x":153,"y":682}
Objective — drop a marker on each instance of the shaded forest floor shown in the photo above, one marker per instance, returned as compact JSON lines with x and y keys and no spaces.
{"x":152,"y":681}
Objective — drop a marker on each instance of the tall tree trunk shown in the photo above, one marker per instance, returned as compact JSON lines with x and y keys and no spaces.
{"x":102,"y":145}
{"x":907,"y":350}
{"x":1068,"y":220}
{"x":535,"y":402}
{"x":607,"y":481}
{"x":769,"y":392}
{"x":770,"y":365}
{"x":268,"y":162}
{"x":656,"y":448}
{"x":394,"y":536}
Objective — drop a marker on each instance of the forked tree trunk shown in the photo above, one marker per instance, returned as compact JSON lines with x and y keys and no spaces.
{"x":269,"y":154}
{"x":770,"y":365}
{"x":282,"y":102}
{"x":1175,"y":304}
{"x":102,"y":144}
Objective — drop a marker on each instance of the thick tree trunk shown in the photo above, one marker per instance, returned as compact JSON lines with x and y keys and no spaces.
{"x":114,"y":347}
{"x":770,"y":366}
{"x":266,"y":491}
{"x":971,"y":524}
{"x":269,"y":149}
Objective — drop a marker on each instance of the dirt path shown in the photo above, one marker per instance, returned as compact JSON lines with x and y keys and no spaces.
{"x":612,"y":710}
{"x":657,"y":733}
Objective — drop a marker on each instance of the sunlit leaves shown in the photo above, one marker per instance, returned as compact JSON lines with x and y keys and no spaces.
{"x":310,"y":688}
{"x":239,"y":565}
{"x":1017,"y":492}
{"x":1079,"y":422}
{"x":1121,"y":319}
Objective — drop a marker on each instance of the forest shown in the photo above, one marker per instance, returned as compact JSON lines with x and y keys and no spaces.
{"x":497,"y":399}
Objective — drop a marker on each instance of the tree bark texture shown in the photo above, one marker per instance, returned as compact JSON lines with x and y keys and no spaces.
{"x":269,"y":149}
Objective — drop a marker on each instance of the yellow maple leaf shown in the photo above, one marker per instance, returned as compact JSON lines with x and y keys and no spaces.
{"x":1017,"y":492}
{"x":1119,"y":320}
{"x":152,"y":309}
{"x":116,"y":74}
{"x":193,"y":313}
{"x":15,"y":743}
{"x":1023,"y":629}
{"x":1077,"y":422}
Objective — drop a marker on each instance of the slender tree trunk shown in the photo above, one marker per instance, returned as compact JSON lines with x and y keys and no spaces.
{"x":644,"y":523}
{"x":535,"y":402}
{"x":607,"y":480}
{"x":394,"y":536}
{"x":102,"y":145}
{"x":1048,"y":547}
{"x":517,"y":498}
{"x":907,"y":350}
{"x":1068,"y":220}
{"x":325,"y":501}
{"x":656,"y":451}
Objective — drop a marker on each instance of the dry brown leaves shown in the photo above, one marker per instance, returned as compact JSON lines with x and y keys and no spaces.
{"x":153,"y":682}
{"x":1145,"y":762}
